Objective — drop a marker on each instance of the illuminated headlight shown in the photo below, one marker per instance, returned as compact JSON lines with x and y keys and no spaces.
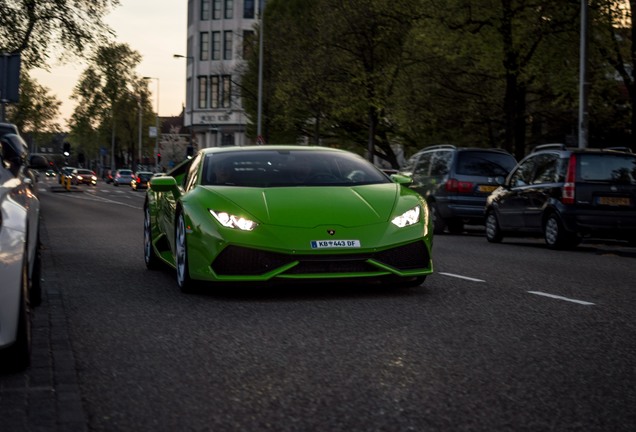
{"x":232,"y":221}
{"x":79,"y":177}
{"x":407,"y":218}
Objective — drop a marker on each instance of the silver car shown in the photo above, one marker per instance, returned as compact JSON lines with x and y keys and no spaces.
{"x":20,"y":288}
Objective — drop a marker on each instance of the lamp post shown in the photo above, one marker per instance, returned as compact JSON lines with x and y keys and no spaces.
{"x":156,"y":121}
{"x":191,"y":99}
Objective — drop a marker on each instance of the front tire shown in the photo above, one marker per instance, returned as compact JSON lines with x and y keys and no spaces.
{"x":555,"y":235}
{"x":186,"y":284}
{"x":493,"y":231}
{"x":150,"y":257}
{"x":439,"y":225}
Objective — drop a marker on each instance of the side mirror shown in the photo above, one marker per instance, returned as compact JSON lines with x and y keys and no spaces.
{"x":402,"y":179}
{"x":163,"y":184}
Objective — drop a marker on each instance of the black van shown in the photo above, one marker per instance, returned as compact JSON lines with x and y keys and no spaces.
{"x":565,"y":194}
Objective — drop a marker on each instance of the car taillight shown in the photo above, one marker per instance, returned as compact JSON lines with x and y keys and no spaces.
{"x":569,"y":187}
{"x":454,"y":185}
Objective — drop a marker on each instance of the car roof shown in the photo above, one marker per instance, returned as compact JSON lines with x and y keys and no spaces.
{"x":461,"y":149}
{"x":271,"y":147}
{"x":564,"y":148}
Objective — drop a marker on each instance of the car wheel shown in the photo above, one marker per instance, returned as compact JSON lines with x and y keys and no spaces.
{"x":555,"y":235}
{"x":183,"y":274}
{"x":18,"y":356}
{"x":150,"y":257}
{"x":438,"y":223}
{"x":493,"y":231}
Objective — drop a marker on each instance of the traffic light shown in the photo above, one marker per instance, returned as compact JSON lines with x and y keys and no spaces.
{"x":189,"y":152}
{"x":158,"y":158}
{"x":67,"y":149}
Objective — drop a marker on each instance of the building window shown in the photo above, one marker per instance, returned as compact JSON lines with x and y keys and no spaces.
{"x":216,"y":45}
{"x":203,"y":92}
{"x":204,"y":53}
{"x":227,"y":45}
{"x":227,"y":91}
{"x":216,"y":9}
{"x":229,"y":9}
{"x":214,"y":92}
{"x":248,"y":9}
{"x":248,"y":42}
{"x":205,"y":10}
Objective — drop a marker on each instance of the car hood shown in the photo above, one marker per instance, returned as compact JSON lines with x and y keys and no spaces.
{"x":309,"y":206}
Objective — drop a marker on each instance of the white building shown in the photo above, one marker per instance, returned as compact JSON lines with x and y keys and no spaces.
{"x":219,"y":31}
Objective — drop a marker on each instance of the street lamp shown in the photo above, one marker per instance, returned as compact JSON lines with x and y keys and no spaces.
{"x":191,"y":99}
{"x":156,"y":121}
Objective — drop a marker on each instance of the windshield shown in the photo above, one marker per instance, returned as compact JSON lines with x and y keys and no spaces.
{"x":486,"y":164}
{"x":273,"y":168}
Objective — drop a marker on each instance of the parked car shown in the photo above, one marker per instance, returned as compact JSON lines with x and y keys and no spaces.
{"x":455,"y":181}
{"x":565,"y":194}
{"x":252,"y":214}
{"x":20,"y":265}
{"x":122,"y":177}
{"x":140,"y":180}
{"x":83,"y":176}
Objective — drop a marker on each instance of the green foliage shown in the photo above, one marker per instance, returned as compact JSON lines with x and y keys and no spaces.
{"x":38,"y":28}
{"x":109,"y":98}
{"x":373,"y":73}
{"x":36,"y":110}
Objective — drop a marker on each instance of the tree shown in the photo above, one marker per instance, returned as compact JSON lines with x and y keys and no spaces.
{"x":38,"y":28}
{"x":613,"y":37}
{"x":37,"y":109}
{"x":110,"y":96}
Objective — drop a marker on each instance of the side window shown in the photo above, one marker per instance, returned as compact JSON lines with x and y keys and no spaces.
{"x":545,"y":169}
{"x":193,"y":173}
{"x":422,"y":165}
{"x":440,"y":163}
{"x":522,"y":176}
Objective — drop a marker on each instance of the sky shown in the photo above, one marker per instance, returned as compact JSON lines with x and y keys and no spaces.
{"x":154,"y":28}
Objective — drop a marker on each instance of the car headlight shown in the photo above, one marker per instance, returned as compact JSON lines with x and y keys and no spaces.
{"x":232,"y":221}
{"x":410,"y":217}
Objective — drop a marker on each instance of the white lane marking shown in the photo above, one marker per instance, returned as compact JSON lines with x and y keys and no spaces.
{"x":461,"y":277}
{"x":561,"y":298}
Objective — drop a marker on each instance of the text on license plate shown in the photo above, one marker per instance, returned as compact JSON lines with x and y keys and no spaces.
{"x":486,"y":188}
{"x":614,"y":201}
{"x":326,"y":244}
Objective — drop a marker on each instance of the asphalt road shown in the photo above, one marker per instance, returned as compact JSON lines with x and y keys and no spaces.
{"x":506,"y":337}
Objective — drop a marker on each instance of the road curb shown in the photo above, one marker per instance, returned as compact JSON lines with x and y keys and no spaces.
{"x":45,"y":397}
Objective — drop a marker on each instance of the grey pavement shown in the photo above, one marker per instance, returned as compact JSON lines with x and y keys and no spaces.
{"x":46,"y":396}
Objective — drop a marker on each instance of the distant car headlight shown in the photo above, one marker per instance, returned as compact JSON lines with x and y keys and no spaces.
{"x":231,"y":221}
{"x":407,"y":218}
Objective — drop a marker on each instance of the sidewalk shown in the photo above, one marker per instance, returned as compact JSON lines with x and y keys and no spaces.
{"x":46,"y":396}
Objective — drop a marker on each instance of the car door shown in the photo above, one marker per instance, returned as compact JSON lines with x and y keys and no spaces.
{"x":543,"y":182}
{"x":512,"y":201}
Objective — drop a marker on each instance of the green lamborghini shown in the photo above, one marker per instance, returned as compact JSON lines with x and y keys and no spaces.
{"x":285,"y":213}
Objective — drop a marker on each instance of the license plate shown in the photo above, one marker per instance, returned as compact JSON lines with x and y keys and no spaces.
{"x":334,"y":244}
{"x":486,"y":188}
{"x":614,"y":201}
